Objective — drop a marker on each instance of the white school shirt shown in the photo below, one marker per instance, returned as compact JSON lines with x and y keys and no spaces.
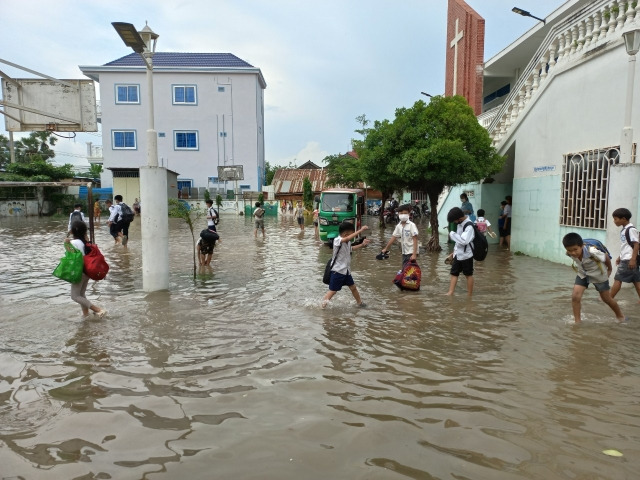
{"x":482,"y":219}
{"x":463,"y":238}
{"x":79,"y":244}
{"x":405,"y":232}
{"x":626,"y":250}
{"x":592,"y":265}
{"x":343,"y":258}
{"x":70,"y":216}
{"x":115,"y":213}
{"x":212,"y":214}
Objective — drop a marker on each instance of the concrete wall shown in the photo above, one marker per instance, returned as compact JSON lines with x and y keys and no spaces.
{"x":237,"y":111}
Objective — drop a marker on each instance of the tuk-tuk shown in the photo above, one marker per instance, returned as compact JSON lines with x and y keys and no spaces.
{"x":337,"y":205}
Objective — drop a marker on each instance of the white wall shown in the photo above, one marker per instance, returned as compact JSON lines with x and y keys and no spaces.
{"x":238,"y":111}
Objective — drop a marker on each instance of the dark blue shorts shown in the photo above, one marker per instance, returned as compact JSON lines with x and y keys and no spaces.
{"x":338,"y":280}
{"x":584,"y":282}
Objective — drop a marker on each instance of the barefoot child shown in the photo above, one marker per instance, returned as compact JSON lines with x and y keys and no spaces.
{"x":628,"y":270}
{"x":341,"y":271}
{"x":591,"y":264}
{"x":462,"y":257}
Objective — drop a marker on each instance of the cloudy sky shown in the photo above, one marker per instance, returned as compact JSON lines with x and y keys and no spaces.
{"x":325,"y":62}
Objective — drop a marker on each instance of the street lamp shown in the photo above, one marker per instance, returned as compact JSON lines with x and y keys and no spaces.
{"x":153,"y":179}
{"x":524,"y":13}
{"x":427,"y":94}
{"x":632,"y":45}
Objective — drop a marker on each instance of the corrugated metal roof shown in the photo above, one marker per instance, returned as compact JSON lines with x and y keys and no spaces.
{"x":179,"y":59}
{"x":288,"y":181}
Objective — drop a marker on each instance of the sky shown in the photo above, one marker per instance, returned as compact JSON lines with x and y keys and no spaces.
{"x":325,"y":62}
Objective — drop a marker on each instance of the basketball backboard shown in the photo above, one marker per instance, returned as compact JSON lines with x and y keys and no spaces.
{"x":38,"y":104}
{"x":230,"y":172}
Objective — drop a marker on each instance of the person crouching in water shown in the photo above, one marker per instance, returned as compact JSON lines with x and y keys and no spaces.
{"x":79,"y":233}
{"x":341,"y":271}
{"x":589,"y":261}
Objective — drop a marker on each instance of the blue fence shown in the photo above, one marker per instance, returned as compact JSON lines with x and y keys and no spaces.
{"x":102,"y":193}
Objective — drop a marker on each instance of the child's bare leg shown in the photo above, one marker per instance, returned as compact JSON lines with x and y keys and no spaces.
{"x":615,"y":288}
{"x":470,"y":285}
{"x":608,"y":299}
{"x":452,"y":284}
{"x":327,"y":297}
{"x":207,"y":259}
{"x":355,"y":293}
{"x":637,"y":285}
{"x":576,"y":299}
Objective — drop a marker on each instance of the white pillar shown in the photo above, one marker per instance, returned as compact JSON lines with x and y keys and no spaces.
{"x":626,"y":141}
{"x":155,"y":229}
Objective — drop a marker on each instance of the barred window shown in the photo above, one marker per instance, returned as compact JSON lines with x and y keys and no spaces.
{"x":585,"y":187}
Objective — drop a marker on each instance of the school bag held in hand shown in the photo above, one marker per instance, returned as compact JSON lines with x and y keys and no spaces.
{"x":409,"y":277}
{"x":479,"y":244}
{"x":70,"y":267}
{"x":126,"y":214}
{"x":95,"y":266}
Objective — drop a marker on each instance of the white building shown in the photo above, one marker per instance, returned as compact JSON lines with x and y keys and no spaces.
{"x":555,"y":105}
{"x":209,"y":113}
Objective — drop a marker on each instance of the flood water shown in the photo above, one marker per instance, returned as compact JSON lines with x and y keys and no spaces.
{"x":241,"y":375}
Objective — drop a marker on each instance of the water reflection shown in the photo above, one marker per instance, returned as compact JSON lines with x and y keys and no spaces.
{"x":240,"y":374}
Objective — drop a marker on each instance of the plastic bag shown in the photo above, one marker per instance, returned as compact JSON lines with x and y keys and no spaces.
{"x":70,"y":267}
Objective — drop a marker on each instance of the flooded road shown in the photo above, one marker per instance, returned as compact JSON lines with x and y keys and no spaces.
{"x":241,"y":374}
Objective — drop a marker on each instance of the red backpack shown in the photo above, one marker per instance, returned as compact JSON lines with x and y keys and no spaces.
{"x":409,"y":277}
{"x":95,"y":266}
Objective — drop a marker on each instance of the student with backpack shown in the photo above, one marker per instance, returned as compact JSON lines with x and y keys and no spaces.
{"x":628,"y":270}
{"x":124,"y":220}
{"x":79,"y":232}
{"x":75,"y":215}
{"x":212,"y":216}
{"x":462,"y":257}
{"x":592,"y":265}
{"x":258,"y":215}
{"x":484,"y":226}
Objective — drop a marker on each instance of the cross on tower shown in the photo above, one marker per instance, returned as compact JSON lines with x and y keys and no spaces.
{"x":454,"y":44}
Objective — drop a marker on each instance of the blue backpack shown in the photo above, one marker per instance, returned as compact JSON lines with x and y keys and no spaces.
{"x":592,"y":242}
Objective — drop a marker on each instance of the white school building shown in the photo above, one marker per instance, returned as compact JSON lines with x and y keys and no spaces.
{"x":561,"y":104}
{"x":209,"y":113}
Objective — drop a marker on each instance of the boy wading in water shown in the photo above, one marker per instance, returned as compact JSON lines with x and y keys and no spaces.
{"x":590,"y":267}
{"x":628,"y":270}
{"x":461,"y":259}
{"x":341,"y":271}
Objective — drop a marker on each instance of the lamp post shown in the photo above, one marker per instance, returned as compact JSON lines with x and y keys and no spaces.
{"x":426,"y":94}
{"x":524,"y":13}
{"x":153,"y":179}
{"x":632,"y":45}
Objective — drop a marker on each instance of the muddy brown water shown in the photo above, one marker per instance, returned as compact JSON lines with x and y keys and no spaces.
{"x":241,"y":375}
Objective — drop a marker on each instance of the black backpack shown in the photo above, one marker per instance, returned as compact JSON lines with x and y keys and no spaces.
{"x":216,"y":220}
{"x":629,"y":242}
{"x":76,"y":216}
{"x":126,"y":214}
{"x":208,"y":236}
{"x":479,"y":244}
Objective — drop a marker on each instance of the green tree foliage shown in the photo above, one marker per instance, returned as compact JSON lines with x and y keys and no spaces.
{"x":180,"y":209}
{"x":37,"y":171}
{"x":37,"y":146}
{"x":441,"y":144}
{"x":307,"y":194}
{"x":376,"y":153}
{"x":269,"y":172}
{"x":343,"y":170}
{"x":218,"y":201}
{"x":5,"y":153}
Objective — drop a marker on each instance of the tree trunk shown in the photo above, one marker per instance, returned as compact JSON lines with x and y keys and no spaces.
{"x":433,"y":245}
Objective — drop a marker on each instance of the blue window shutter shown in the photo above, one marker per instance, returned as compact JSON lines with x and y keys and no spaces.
{"x":118,"y":139}
{"x":133,"y":94}
{"x":129,"y":140}
{"x":122,"y":94}
{"x":190,"y":94}
{"x":178,"y":95}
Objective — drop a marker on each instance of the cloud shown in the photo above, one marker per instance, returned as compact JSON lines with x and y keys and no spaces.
{"x":311,"y":151}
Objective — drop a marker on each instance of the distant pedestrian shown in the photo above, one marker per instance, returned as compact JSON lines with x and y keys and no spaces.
{"x":97,"y":211}
{"x":258,"y":216}
{"x":467,"y":207}
{"x":114,"y":215}
{"x":589,"y":261}
{"x":78,"y":290}
{"x":75,"y":215}
{"x":407,"y":233}
{"x":628,"y":270}
{"x":501,"y":231}
{"x":124,"y":219}
{"x":506,"y":215}
{"x":484,"y":225}
{"x":341,"y":270}
{"x":462,"y":257}
{"x":316,"y":233}
{"x":136,"y":206}
{"x":212,"y":215}
{"x":299,"y":214}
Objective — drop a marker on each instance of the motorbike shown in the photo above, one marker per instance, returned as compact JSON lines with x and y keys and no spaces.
{"x":415,"y":212}
{"x":390,"y":216}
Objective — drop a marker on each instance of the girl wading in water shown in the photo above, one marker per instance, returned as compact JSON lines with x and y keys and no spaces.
{"x":79,"y":232}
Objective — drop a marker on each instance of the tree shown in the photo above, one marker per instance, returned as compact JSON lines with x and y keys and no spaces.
{"x":343,"y":170}
{"x":440,"y":144}
{"x":5,"y":153}
{"x":37,"y":171}
{"x":269,"y":172}
{"x":37,"y":146}
{"x":376,"y":152}
{"x":307,"y":194}
{"x":181,"y":209}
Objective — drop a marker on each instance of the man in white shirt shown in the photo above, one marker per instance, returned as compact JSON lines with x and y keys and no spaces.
{"x":115,"y":212}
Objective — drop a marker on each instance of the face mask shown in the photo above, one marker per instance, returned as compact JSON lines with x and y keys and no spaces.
{"x":403,"y":217}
